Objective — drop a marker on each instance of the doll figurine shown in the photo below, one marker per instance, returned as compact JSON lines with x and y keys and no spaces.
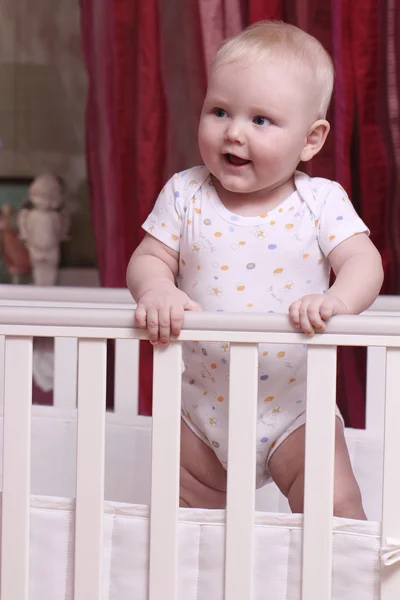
{"x":43,"y":224}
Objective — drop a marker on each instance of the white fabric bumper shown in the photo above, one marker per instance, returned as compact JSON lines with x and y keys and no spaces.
{"x":356,"y":563}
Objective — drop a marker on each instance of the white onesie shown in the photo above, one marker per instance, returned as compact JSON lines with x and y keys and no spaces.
{"x":257,"y":264}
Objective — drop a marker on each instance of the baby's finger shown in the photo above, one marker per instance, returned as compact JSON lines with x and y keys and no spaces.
{"x":164,"y":320}
{"x":305,"y":324}
{"x":294,"y":313}
{"x":152,"y":325}
{"x":192,"y":305}
{"x":314,"y":317}
{"x":326,"y":310}
{"x":176,"y":316}
{"x":140,"y":317}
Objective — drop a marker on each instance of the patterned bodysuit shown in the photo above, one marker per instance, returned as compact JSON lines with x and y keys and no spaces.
{"x":233,"y":263}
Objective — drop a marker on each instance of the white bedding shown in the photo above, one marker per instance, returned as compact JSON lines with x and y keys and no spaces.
{"x":277,"y":565}
{"x":127,"y":483}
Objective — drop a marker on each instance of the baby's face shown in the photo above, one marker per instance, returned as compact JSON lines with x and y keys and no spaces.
{"x":254,"y":123}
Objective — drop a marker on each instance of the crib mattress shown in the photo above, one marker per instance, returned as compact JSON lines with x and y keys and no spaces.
{"x":356,"y":561}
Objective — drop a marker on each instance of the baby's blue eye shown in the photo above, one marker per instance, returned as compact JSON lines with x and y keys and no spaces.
{"x":259,"y":120}
{"x":220,"y":112}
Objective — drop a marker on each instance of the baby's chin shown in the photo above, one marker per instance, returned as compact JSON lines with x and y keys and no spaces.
{"x":237,"y":189}
{"x":234,"y":187}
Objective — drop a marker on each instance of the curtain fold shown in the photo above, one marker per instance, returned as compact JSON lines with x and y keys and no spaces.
{"x":183,"y":79}
{"x":100,"y":136}
{"x":220,"y":19}
{"x":126,"y":125}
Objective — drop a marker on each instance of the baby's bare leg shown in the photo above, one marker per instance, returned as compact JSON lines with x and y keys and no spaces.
{"x":287,"y":470}
{"x":203,"y":478}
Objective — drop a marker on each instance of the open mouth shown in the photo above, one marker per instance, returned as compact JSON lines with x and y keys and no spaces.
{"x":236,"y":160}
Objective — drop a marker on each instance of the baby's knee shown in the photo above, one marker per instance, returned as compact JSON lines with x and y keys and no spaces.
{"x":347,"y":502}
{"x":195,"y":494}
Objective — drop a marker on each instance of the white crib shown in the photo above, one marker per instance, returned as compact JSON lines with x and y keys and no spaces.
{"x":54,"y":547}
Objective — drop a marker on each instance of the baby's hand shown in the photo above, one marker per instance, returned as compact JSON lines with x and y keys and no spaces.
{"x":310,"y":312}
{"x":160,"y":311}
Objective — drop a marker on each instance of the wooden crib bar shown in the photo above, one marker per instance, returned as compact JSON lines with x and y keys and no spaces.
{"x":126,"y":380}
{"x":89,"y":514}
{"x":65,"y":372}
{"x":390,"y":586}
{"x":163,"y":576}
{"x":2,"y":367}
{"x":375,"y":391}
{"x":16,"y":469}
{"x":243,"y":391}
{"x":319,"y":473}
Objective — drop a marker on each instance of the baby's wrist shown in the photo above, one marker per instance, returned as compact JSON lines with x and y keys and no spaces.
{"x":345,"y":307}
{"x":157,"y":285}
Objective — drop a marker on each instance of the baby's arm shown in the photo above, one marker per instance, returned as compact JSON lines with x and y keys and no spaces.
{"x":151,"y":275}
{"x":359,"y":275}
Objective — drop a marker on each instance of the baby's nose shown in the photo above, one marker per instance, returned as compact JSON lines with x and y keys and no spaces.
{"x":235,"y":132}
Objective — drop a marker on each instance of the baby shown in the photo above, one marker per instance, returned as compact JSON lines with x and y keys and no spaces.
{"x":247,"y":232}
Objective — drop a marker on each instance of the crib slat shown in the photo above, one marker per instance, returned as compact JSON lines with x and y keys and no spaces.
{"x":390,"y":581}
{"x":65,"y":372}
{"x":16,"y":469}
{"x":126,"y":396}
{"x":243,"y":387}
{"x":165,"y":472}
{"x":90,"y":469}
{"x":2,"y":366}
{"x":376,"y":383}
{"x":319,"y":473}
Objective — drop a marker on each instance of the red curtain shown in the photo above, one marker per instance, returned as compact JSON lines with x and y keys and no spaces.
{"x":126,"y":125}
{"x":147,"y":65}
{"x":126,"y":132}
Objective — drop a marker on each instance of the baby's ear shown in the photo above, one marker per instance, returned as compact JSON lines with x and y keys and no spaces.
{"x":315,"y":139}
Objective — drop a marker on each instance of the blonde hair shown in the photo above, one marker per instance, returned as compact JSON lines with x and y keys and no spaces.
{"x":272,"y":38}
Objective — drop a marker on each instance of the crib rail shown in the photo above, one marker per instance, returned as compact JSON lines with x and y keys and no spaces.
{"x":126,"y":360}
{"x":29,"y":293}
{"x":92,"y":327}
